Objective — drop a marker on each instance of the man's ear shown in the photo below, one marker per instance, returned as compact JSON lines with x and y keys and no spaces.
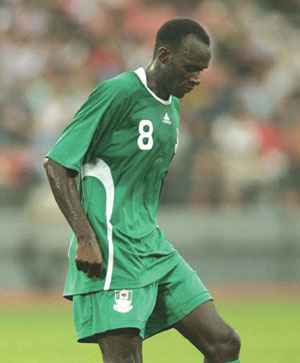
{"x":163,"y":55}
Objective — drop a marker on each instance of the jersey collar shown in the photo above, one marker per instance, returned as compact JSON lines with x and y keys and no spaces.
{"x":140,"y":72}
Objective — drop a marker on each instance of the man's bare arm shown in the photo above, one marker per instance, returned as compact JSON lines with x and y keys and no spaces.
{"x":63,"y":185}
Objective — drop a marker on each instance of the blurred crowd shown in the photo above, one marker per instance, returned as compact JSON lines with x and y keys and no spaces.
{"x":240,"y":130}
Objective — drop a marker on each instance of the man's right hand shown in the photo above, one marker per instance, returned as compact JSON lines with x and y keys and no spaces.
{"x":88,"y":256}
{"x":63,"y":185}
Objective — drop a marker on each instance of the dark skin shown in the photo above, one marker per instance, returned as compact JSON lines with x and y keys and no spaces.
{"x":177,"y":72}
{"x":171,"y":72}
{"x":63,"y":185}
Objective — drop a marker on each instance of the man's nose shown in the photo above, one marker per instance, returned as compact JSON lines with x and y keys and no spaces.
{"x":196,"y":78}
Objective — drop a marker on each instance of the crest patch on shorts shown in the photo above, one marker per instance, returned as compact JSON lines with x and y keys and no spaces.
{"x":123,"y":299}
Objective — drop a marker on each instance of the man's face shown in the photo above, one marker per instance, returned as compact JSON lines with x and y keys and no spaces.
{"x":182,"y":71}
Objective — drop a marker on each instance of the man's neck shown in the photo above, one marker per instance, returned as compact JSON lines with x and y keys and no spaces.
{"x":154,"y":81}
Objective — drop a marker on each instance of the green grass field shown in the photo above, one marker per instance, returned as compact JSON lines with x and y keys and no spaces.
{"x":43,"y":333}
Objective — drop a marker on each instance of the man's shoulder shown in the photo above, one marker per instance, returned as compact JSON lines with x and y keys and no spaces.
{"x":175,"y":103}
{"x":124,"y":83}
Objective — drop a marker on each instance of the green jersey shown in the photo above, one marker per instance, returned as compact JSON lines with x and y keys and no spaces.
{"x":121,"y":141}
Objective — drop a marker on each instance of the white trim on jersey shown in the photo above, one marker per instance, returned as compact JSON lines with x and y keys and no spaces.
{"x":140,"y":72}
{"x":101,"y":171}
{"x":70,"y":245}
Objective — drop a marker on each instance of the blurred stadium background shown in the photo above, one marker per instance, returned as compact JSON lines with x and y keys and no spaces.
{"x":231,"y":201}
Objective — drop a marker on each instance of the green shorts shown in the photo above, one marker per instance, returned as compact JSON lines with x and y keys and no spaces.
{"x":151,"y":309}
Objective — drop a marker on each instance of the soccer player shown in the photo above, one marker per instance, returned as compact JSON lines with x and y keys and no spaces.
{"x":126,"y":281}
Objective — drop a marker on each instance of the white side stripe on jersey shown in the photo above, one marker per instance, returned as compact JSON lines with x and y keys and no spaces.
{"x":70,"y":245}
{"x":101,"y":171}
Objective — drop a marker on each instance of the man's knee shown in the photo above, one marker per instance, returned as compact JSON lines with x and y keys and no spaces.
{"x":226,"y":347}
{"x":234,"y":342}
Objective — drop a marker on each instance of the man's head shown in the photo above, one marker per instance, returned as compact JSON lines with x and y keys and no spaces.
{"x":181,"y":53}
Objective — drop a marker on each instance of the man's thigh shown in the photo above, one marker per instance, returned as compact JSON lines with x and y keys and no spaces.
{"x":206,"y":329}
{"x":121,"y":345}
{"x":203,"y":324}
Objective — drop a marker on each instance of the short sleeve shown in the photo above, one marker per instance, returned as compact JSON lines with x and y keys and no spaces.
{"x":71,"y":147}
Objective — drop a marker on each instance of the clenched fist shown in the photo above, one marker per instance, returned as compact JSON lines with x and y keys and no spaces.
{"x":88,"y":256}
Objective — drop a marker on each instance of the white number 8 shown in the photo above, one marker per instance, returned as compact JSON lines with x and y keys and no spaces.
{"x":145,"y":135}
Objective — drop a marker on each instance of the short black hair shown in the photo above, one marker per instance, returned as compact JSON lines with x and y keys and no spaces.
{"x":173,"y":31}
